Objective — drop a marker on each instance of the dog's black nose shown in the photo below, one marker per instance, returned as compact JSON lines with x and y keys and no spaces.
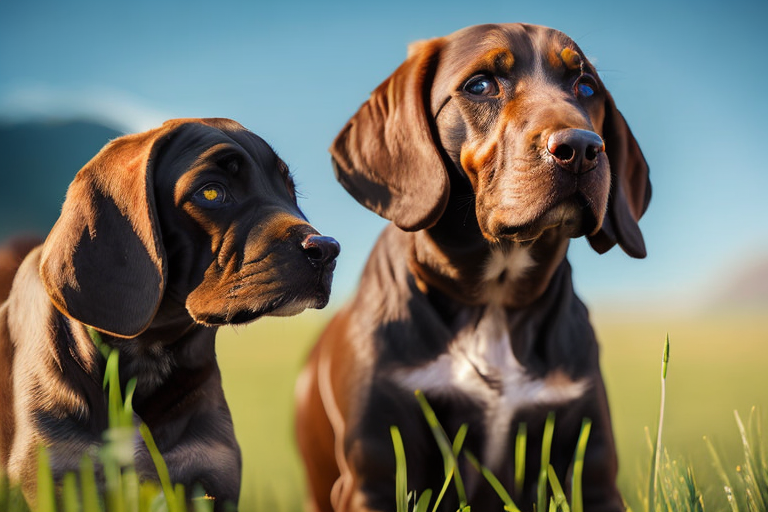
{"x":321,"y":250}
{"x":575,"y":150}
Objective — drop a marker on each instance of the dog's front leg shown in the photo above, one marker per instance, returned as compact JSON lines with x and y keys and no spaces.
{"x":203,"y":455}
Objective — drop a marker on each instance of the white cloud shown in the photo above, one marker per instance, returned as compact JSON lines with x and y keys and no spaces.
{"x":115,"y":108}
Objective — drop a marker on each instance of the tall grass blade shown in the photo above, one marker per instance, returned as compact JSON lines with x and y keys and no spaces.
{"x":520,"y":446}
{"x":577,"y":494}
{"x":720,"y":469}
{"x":696,"y":498}
{"x":752,"y":473}
{"x":130,"y":489}
{"x":46,"y":497}
{"x":546,"y":448}
{"x":655,"y":458}
{"x":422,"y":505}
{"x":89,"y":491}
{"x":558,"y":495}
{"x":114,"y":486}
{"x":509,"y":504}
{"x":443,"y":490}
{"x":180,"y":498}
{"x":70,"y":501}
{"x":401,"y":470}
{"x":458,"y":443}
{"x":450,"y":462}
{"x":161,"y":467}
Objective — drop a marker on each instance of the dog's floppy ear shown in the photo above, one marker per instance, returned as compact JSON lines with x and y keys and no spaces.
{"x":386,"y":156}
{"x":630,"y":187}
{"x":103,"y":263}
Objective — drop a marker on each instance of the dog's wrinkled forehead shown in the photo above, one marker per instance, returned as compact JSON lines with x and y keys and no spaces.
{"x":507,"y":50}
{"x":197,"y":146}
{"x":191,"y":143}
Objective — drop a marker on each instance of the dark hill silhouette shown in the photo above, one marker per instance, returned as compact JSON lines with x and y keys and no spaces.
{"x":37,"y":162}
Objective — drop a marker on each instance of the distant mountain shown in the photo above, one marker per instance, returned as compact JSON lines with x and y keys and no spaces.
{"x":37,"y":162}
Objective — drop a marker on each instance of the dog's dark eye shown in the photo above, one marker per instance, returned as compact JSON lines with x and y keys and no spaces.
{"x":585,"y":86}
{"x":211,"y":194}
{"x":481,"y":85}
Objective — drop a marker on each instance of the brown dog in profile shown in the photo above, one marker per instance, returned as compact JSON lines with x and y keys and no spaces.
{"x":163,"y":237}
{"x":488,"y":149}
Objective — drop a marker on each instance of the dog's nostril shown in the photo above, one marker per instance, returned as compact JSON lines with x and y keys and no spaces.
{"x":320,"y":250}
{"x":563,"y":152}
{"x":575,"y":150}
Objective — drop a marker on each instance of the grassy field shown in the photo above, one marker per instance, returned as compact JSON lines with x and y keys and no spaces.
{"x":718,"y":365}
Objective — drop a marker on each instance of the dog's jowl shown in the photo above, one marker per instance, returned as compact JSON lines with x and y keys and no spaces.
{"x":488,"y":150}
{"x":163,"y":237}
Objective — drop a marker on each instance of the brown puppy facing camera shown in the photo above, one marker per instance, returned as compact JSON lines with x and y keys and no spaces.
{"x":163,"y":237}
{"x":489,"y":150}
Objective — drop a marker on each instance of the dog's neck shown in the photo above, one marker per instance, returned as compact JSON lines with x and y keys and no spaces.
{"x":454,"y":258}
{"x":169,"y":359}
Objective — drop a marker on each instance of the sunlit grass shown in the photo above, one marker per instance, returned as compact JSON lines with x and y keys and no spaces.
{"x":717,"y":366}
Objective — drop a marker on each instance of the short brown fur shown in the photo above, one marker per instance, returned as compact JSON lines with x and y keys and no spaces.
{"x":143,"y":256}
{"x":467,"y":295}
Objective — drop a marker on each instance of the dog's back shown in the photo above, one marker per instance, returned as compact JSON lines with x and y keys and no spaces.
{"x":12,"y":253}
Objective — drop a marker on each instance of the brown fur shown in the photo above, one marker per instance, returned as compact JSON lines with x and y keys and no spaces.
{"x":468,"y":295}
{"x":142,"y":255}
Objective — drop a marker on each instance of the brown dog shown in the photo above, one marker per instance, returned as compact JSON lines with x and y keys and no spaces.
{"x":488,"y":149}
{"x":163,"y":237}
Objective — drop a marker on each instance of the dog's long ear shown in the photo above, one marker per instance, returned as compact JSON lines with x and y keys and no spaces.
{"x":386,"y":155}
{"x":103,"y":263}
{"x":630,"y":187}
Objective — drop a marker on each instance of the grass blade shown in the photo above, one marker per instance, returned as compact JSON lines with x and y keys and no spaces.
{"x":560,"y":500}
{"x":450,"y":463}
{"x":89,"y":491}
{"x":546,"y":448}
{"x":656,"y":455}
{"x":70,"y":501}
{"x":161,"y":467}
{"x":401,"y":471}
{"x":577,"y":495}
{"x":509,"y":504}
{"x":46,"y":497}
{"x":757,"y":497}
{"x":520,"y":446}
{"x":458,"y":443}
{"x":423,"y":504}
{"x":446,"y":483}
{"x":720,"y":469}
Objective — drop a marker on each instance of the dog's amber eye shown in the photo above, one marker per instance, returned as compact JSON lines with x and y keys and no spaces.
{"x":481,"y":85}
{"x":585,"y":86}
{"x":211,"y":195}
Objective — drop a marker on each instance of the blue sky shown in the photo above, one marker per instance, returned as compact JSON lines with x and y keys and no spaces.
{"x":690,"y":78}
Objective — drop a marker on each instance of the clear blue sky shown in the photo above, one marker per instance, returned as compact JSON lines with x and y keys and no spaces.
{"x":690,"y":77}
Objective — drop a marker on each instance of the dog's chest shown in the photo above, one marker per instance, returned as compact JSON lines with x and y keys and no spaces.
{"x":479,"y":365}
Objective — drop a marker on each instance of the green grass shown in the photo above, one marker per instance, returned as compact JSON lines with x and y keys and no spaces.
{"x":717,"y":366}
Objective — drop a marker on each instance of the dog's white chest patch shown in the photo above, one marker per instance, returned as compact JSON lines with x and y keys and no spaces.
{"x":480,"y":365}
{"x":501,"y":270}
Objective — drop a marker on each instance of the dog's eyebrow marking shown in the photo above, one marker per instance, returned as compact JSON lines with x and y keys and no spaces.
{"x":571,"y":59}
{"x":497,"y":60}
{"x":567,"y":57}
{"x":218,"y":152}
